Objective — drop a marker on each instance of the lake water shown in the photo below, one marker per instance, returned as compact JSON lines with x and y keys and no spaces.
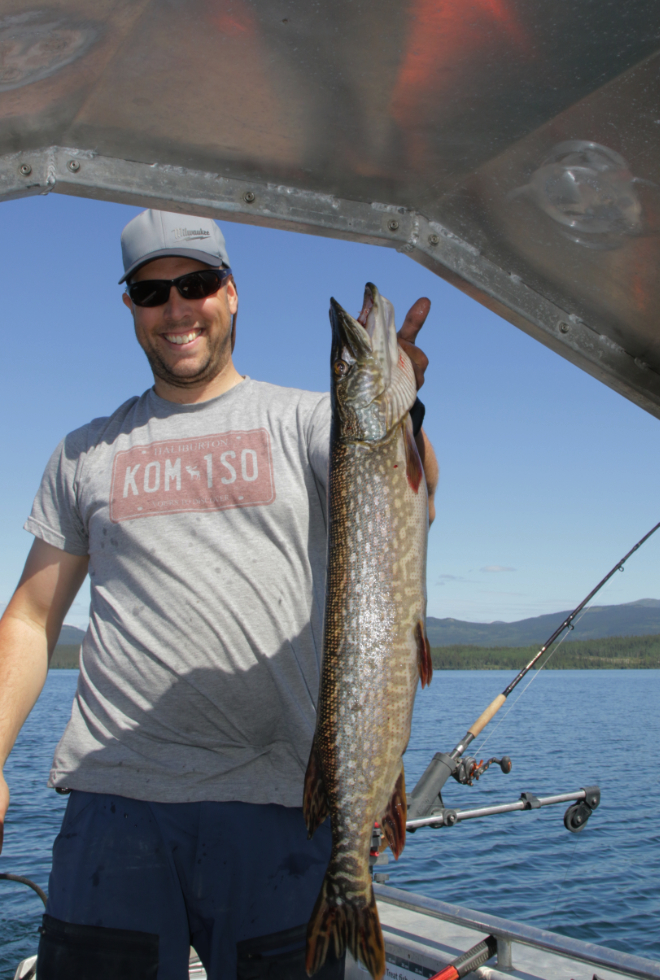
{"x":570,"y":729}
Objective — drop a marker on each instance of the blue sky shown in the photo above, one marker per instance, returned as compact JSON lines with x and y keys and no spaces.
{"x":547,"y":476}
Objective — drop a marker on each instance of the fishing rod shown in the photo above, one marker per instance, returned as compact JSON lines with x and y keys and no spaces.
{"x":425,"y":801}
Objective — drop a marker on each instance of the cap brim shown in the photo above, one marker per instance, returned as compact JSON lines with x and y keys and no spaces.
{"x":185,"y":253}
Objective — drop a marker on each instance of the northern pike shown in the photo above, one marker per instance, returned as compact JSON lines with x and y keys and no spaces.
{"x":374,"y":642}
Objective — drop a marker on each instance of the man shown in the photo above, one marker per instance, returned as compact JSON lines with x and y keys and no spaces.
{"x":199,"y":511}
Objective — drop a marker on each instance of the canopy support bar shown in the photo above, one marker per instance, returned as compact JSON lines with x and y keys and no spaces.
{"x":86,"y":174}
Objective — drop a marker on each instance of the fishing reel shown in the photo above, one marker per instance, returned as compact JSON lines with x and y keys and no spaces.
{"x":468,"y":770}
{"x":426,"y":807}
{"x":426,"y":797}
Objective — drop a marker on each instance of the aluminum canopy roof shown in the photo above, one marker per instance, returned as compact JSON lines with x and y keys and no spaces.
{"x":511,"y":146}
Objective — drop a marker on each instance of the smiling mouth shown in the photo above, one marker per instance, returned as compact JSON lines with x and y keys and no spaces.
{"x":182,"y":338}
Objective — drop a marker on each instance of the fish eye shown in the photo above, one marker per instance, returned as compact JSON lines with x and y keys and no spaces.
{"x":340,"y":368}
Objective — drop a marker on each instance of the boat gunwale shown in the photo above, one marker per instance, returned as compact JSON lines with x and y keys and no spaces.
{"x":519,"y":932}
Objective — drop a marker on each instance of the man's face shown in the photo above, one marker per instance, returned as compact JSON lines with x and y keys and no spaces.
{"x":187,"y":342}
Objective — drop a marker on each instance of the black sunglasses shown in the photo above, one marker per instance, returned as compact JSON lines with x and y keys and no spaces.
{"x":193,"y":285}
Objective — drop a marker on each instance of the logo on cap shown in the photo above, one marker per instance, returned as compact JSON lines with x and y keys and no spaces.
{"x":190,"y":233}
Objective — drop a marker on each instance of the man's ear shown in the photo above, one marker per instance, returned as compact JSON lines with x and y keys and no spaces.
{"x":232,"y":301}
{"x":127,"y":301}
{"x":232,"y":295}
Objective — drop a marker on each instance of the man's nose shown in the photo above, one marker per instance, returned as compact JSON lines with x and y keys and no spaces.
{"x":176,"y":307}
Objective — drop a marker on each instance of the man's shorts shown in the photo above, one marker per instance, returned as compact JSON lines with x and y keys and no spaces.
{"x":210,"y":875}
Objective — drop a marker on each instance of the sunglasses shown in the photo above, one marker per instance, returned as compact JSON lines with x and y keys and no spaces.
{"x":194,"y":285}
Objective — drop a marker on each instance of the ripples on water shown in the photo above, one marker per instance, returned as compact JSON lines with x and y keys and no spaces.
{"x":570,"y":729}
{"x":33,"y":819}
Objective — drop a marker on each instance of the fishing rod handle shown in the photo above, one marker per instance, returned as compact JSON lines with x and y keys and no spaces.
{"x":486,"y":716}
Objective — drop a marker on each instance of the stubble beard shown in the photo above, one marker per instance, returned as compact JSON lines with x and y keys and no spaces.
{"x":218,"y":357}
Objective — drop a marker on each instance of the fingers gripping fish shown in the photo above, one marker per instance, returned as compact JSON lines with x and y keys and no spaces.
{"x":375,"y":645}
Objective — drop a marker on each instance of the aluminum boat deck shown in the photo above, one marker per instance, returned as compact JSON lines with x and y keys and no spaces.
{"x":423,"y":935}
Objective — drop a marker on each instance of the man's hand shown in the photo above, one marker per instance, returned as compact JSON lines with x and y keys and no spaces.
{"x":407,"y":336}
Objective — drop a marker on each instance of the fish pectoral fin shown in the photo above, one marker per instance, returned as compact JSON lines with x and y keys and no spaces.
{"x":414,"y":468}
{"x":315,"y":799}
{"x":424,"y":660}
{"x":345,"y":922}
{"x":394,"y":819}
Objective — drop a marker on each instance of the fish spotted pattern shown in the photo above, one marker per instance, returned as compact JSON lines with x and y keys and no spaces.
{"x":375,"y":647}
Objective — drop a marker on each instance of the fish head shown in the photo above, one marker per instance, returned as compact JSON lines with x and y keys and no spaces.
{"x":373,"y":382}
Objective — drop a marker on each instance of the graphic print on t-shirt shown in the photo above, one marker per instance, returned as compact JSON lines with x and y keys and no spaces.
{"x":230,"y":469}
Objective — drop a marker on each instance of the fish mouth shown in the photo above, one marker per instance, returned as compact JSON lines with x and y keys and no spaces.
{"x":370,"y":292}
{"x":372,"y":380}
{"x":377,"y":318}
{"x":348,"y":333}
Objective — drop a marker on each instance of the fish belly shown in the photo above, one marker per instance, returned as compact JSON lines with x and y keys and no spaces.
{"x":374,"y":623}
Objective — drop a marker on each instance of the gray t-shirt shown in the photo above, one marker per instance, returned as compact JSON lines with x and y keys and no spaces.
{"x":206,"y":530}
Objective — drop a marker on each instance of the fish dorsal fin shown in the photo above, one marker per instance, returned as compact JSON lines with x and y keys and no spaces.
{"x":394,"y":819}
{"x":424,"y":660}
{"x":315,"y":799}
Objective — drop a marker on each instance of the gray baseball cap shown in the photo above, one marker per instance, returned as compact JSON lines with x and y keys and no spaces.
{"x":155,"y":234}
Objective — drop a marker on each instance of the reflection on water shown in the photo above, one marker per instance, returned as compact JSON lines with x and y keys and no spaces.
{"x":570,"y":729}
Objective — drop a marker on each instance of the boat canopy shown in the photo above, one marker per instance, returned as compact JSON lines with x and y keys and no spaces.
{"x":510,"y":146}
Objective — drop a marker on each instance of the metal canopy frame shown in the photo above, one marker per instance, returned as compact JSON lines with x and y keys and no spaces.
{"x":522,"y":205}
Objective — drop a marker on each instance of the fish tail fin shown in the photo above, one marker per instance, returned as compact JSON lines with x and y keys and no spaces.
{"x":350,"y":924}
{"x":315,"y":800}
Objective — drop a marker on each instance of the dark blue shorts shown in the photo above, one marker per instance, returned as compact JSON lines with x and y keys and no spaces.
{"x":202,"y":874}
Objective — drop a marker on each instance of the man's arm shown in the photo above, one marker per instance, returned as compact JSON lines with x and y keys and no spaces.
{"x":29,"y":629}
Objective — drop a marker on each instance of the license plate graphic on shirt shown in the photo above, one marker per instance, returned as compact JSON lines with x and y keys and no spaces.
{"x":230,"y":469}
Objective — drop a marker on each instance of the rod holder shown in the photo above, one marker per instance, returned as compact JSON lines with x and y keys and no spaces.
{"x":425,"y":795}
{"x":504,"y":954}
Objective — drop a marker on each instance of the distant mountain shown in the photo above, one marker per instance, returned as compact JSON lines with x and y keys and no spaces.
{"x":641,"y":618}
{"x":71,"y":636}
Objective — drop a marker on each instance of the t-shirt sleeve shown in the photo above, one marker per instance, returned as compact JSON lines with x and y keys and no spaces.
{"x":55,"y":516}
{"x":318,"y":446}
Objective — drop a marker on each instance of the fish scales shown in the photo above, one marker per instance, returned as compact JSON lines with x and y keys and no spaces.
{"x":374,"y":641}
{"x":365,"y":703}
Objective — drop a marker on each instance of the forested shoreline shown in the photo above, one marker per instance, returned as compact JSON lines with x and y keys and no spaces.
{"x":611,"y":653}
{"x":65,"y":656}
